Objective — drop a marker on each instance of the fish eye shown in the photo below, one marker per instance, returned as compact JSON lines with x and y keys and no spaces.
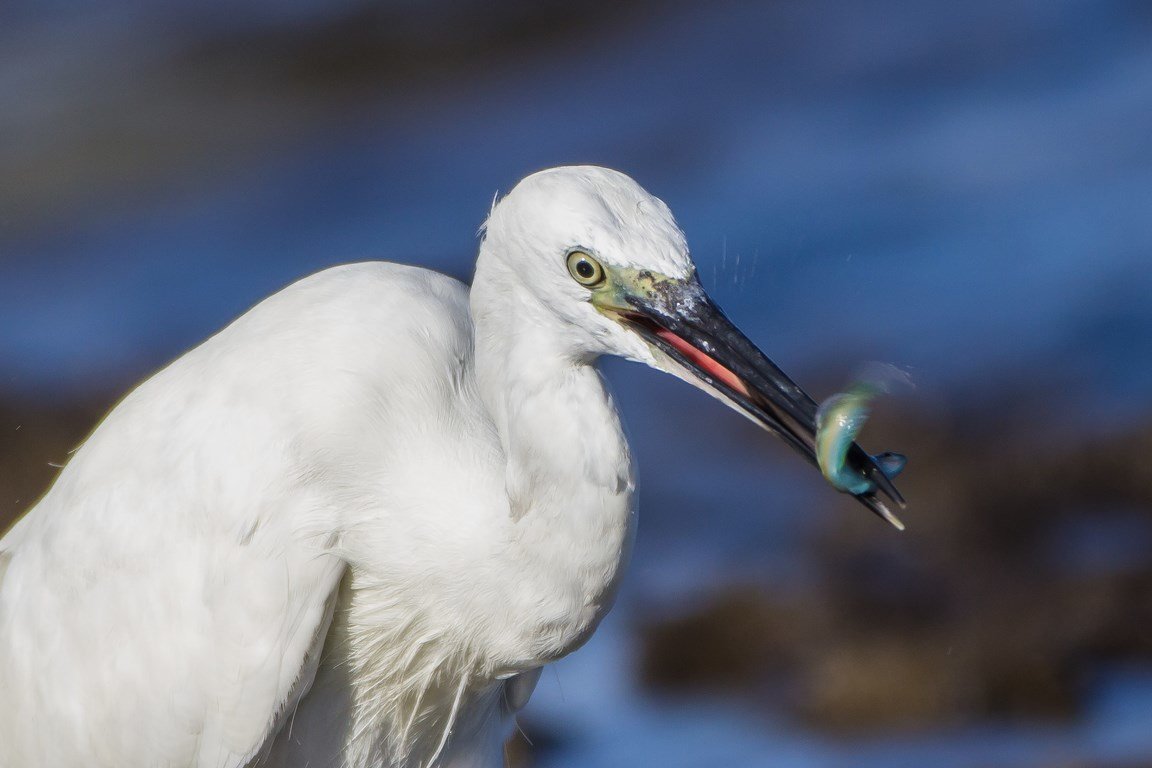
{"x":585,"y":269}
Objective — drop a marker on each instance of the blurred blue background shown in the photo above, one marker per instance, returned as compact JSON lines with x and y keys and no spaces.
{"x":961,"y":189}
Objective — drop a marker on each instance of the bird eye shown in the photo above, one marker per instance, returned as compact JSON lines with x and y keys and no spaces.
{"x":585,"y":269}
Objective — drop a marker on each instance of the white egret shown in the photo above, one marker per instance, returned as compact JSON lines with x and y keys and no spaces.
{"x":350,"y":528}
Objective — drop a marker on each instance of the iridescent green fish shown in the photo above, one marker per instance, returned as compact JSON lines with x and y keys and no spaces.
{"x":839,"y":419}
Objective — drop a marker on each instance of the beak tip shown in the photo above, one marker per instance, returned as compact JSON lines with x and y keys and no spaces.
{"x":896,"y":522}
{"x":882,"y":511}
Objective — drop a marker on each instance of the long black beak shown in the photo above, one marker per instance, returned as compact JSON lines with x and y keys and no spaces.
{"x":680,"y":319}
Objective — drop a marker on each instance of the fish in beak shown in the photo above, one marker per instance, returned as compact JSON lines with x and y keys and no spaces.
{"x":678,"y":319}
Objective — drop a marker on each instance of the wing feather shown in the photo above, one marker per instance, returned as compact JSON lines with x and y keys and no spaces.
{"x":166,"y":602}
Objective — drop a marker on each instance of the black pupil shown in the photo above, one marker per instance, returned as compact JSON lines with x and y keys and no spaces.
{"x":585,"y":269}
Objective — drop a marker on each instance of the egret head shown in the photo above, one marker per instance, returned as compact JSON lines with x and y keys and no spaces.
{"x":609,"y":271}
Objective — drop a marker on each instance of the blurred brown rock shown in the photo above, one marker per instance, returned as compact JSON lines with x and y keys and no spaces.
{"x":880,"y":682}
{"x":35,"y":439}
{"x":731,"y":643}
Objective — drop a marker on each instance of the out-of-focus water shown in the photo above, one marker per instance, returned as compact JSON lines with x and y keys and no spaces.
{"x":960,"y":189}
{"x":607,"y":723}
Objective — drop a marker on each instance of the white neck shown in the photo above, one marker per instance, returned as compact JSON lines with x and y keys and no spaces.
{"x":568,"y":474}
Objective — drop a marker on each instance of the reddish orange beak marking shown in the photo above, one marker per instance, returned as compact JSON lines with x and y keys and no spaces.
{"x":706,"y":363}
